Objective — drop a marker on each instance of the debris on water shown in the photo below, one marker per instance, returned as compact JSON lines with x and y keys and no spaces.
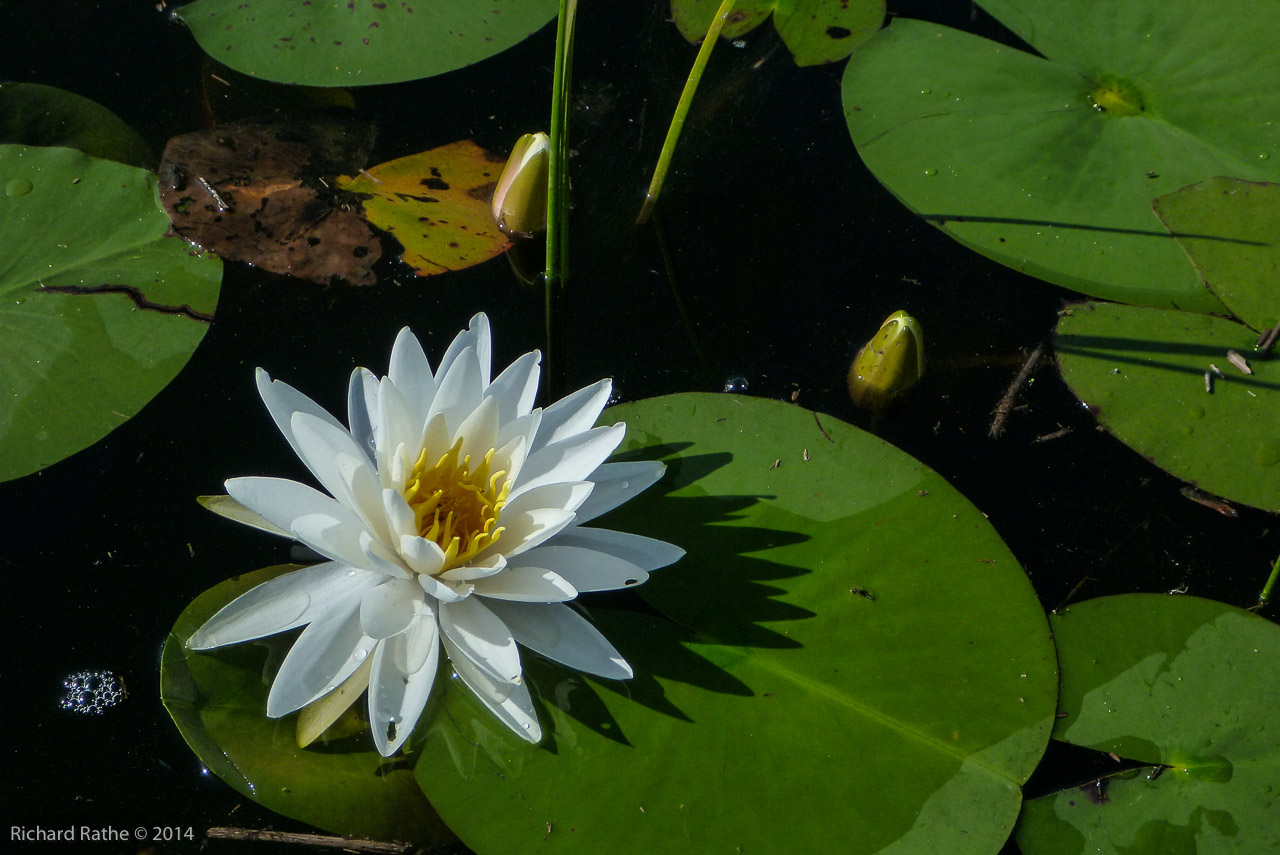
{"x":92,"y":692}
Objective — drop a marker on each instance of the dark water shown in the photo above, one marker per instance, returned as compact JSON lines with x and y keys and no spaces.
{"x":787,"y":255}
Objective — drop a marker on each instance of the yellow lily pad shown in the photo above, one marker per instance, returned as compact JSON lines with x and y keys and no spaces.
{"x":436,"y":203}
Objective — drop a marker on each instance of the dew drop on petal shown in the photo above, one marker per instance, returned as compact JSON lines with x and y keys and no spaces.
{"x":360,"y":654}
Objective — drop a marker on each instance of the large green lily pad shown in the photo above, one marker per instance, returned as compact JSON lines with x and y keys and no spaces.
{"x":1049,"y":163}
{"x":832,"y":681}
{"x":1231,"y":231}
{"x":218,"y":700}
{"x":359,"y":44}
{"x":815,"y":31}
{"x":101,"y":309}
{"x":37,"y":115}
{"x":1179,"y":682}
{"x":1141,"y":373}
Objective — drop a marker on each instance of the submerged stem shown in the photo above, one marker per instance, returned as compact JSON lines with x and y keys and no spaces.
{"x":682,"y":110}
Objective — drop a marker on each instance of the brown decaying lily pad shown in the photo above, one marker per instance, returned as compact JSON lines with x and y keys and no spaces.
{"x":256,"y":191}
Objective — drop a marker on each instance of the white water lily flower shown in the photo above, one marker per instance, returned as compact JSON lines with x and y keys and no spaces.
{"x":454,"y":517}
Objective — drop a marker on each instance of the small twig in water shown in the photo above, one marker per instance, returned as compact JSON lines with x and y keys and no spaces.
{"x":1005,"y":406}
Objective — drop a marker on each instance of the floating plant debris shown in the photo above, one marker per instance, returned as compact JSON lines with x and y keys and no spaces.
{"x":260,"y":192}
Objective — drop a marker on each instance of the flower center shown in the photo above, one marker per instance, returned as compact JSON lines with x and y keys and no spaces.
{"x":455,"y":505}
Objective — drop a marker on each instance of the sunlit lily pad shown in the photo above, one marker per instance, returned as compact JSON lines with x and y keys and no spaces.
{"x":359,"y":44}
{"x":257,"y":192}
{"x":1189,"y":684}
{"x":1141,"y":371}
{"x":833,"y":679}
{"x":101,"y":310}
{"x":218,"y":700}
{"x":1049,"y":165}
{"x":815,"y":31}
{"x":436,"y":203}
{"x":1231,"y":230}
{"x":37,"y":115}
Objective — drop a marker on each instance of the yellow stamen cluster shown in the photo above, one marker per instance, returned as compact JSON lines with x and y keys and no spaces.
{"x":455,"y":506}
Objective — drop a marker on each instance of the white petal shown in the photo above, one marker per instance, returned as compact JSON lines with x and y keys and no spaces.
{"x":564,"y":495}
{"x":482,"y":638}
{"x":423,"y":556}
{"x":617,"y":483}
{"x":281,"y":501}
{"x":283,"y":603}
{"x":478,"y":568}
{"x":585,"y":569}
{"x":571,"y":459}
{"x":397,"y":426}
{"x":411,"y":373}
{"x":319,"y":442}
{"x":510,"y":455}
{"x":225,"y":506}
{"x":400,"y":518}
{"x":479,"y":431}
{"x":516,"y":388}
{"x":477,"y":337}
{"x":327,"y":653}
{"x":362,"y":398}
{"x":528,"y":529}
{"x":560,"y":633}
{"x":282,"y":402}
{"x":381,"y":558}
{"x":510,"y":703}
{"x":335,"y":539}
{"x":388,"y":609}
{"x":404,"y":670}
{"x":461,"y":389}
{"x":573,"y":414}
{"x":362,"y":492}
{"x":443,"y":590}
{"x":526,"y":585}
{"x":646,"y":552}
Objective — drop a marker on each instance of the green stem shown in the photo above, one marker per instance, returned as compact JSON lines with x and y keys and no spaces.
{"x":558,"y":196}
{"x":1265,"y":596}
{"x":682,"y":110}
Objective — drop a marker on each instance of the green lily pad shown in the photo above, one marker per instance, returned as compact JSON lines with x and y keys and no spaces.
{"x":364,"y":44}
{"x":101,"y":309}
{"x":37,"y":115}
{"x":1185,"y":683}
{"x":1049,"y":165}
{"x":830,"y":657}
{"x":1141,"y":372}
{"x":218,"y":700}
{"x":1231,"y":231}
{"x":815,"y":31}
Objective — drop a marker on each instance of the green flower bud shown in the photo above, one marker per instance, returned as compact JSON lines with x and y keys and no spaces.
{"x":888,"y":365}
{"x":520,"y":202}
